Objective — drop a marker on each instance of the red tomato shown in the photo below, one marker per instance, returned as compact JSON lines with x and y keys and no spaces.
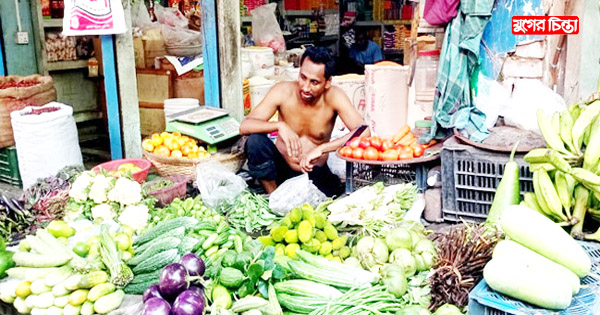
{"x":358,"y":153}
{"x":346,"y":151}
{"x":371,"y":154}
{"x":387,"y":144}
{"x":390,"y":155}
{"x":354,"y":143}
{"x":376,"y":142}
{"x":406,"y":154}
{"x":418,"y":150}
{"x":364,"y":143}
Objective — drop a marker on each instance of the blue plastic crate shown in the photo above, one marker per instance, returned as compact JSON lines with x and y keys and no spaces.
{"x":485,"y":301}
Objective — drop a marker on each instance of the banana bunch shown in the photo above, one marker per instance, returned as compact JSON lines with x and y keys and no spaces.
{"x":566,"y":174}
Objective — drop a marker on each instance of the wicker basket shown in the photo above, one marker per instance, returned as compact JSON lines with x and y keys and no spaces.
{"x":168,"y":166}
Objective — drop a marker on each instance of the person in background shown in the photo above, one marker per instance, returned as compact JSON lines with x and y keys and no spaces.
{"x":364,"y":51}
{"x":307,"y":110}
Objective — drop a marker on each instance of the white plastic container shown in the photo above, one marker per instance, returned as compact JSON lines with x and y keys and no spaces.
{"x":262,"y":60}
{"x":426,"y":74}
{"x":259,"y":87}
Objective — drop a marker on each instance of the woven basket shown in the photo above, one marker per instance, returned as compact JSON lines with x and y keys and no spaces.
{"x":168,"y":166}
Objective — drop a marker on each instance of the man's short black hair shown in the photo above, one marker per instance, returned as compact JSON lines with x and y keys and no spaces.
{"x":320,"y":55}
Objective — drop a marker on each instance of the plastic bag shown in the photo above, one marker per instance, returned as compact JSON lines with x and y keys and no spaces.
{"x":177,"y":36}
{"x":265,"y":29}
{"x":491,"y":97}
{"x":440,"y":12}
{"x":528,"y":96}
{"x":295,"y":192}
{"x":170,"y":16}
{"x":219,"y":187}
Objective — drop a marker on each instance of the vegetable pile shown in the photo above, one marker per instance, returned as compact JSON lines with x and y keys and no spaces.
{"x":307,"y":228}
{"x":174,"y":145}
{"x":374,"y":209}
{"x":565,"y":174}
{"x":57,"y":279}
{"x":402,"y":146}
{"x":250,"y":213}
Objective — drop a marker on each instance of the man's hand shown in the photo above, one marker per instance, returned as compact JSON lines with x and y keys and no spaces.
{"x":291,"y":140}
{"x":306,"y":163}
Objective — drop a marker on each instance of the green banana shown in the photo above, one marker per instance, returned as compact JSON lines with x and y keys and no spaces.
{"x":575,"y":111}
{"x":586,"y":177}
{"x":582,"y":197}
{"x":558,"y":161}
{"x":562,"y":188}
{"x":586,"y":117}
{"x":566,"y":125}
{"x":541,"y":199}
{"x":550,"y":195}
{"x":531,"y":202}
{"x":594,"y":214}
{"x":539,"y":155}
{"x":541,"y":166}
{"x":555,"y":121}
{"x":550,"y":134}
{"x":591,"y":156}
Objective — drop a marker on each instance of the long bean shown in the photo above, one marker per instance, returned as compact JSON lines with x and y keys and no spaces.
{"x":373,"y":300}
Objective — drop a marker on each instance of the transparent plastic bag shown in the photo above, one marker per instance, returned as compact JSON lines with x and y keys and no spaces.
{"x":170,"y":17}
{"x":265,"y":29}
{"x":295,"y":192}
{"x":219,"y":187}
{"x":177,"y":36}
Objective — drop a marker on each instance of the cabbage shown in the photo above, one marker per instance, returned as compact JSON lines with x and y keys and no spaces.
{"x":398,"y":238}
{"x":403,"y":258}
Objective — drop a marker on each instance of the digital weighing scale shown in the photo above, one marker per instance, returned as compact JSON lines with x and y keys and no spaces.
{"x":208,"y":124}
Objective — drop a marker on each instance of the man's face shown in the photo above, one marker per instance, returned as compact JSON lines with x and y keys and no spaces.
{"x":361,"y":41}
{"x":311,"y":81}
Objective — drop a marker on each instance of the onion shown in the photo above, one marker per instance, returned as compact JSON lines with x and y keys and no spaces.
{"x":151,"y":292}
{"x":173,"y":280}
{"x":189,"y":302}
{"x":156,"y":306}
{"x":193,"y":264}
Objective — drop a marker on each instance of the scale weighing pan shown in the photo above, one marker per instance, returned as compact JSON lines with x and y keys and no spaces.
{"x":211,"y":125}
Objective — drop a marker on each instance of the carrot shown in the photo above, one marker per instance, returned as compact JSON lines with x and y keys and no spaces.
{"x":412,"y":141}
{"x":406,"y":139}
{"x":431,"y":143}
{"x":401,"y":133}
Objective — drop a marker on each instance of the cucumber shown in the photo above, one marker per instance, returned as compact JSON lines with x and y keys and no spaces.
{"x":538,"y":233}
{"x":164,"y":227}
{"x":109,"y":303}
{"x":155,"y":248}
{"x":176,"y":233}
{"x":25,"y":259}
{"x":157,"y":261}
{"x":528,"y":283}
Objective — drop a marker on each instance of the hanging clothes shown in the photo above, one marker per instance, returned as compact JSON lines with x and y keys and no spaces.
{"x":453,"y":106}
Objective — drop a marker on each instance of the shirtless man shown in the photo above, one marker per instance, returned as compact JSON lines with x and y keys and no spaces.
{"x":307,"y":112}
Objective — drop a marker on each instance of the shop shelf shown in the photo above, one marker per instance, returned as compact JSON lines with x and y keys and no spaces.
{"x":308,"y":12}
{"x":9,"y":166}
{"x":469,"y":179}
{"x":52,"y":23}
{"x":67,"y":65}
{"x":484,"y":301}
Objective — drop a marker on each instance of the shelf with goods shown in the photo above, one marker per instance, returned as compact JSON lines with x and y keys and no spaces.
{"x":69,"y":76}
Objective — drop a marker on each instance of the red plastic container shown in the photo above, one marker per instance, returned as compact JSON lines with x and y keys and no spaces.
{"x":166,"y":195}
{"x":138,"y":176}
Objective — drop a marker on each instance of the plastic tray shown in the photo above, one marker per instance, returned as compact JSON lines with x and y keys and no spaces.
{"x":484,"y":301}
{"x":470,"y":177}
{"x":166,"y":195}
{"x":138,"y":176}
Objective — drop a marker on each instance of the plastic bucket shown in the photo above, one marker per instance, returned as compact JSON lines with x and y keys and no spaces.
{"x":262,"y":60}
{"x":258,"y":92}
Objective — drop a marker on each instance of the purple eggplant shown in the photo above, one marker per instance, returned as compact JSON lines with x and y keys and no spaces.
{"x":193,"y":264}
{"x":189,"y":302}
{"x":197,"y":289}
{"x":156,"y":306}
{"x":173,"y":280}
{"x":151,"y":292}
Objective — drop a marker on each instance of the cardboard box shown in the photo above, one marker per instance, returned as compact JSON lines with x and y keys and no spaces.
{"x":138,"y":51}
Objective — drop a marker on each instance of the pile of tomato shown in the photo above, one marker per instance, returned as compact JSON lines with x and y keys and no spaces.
{"x":377,"y":149}
{"x":23,"y":83}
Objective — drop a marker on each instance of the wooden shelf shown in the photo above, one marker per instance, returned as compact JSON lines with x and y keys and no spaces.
{"x":86,"y":116}
{"x":52,"y":23}
{"x":67,"y":65}
{"x":245,"y":19}
{"x":308,"y":12}
{"x":380,"y":23}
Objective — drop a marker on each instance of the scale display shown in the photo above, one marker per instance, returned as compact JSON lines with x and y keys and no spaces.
{"x":211,"y":125}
